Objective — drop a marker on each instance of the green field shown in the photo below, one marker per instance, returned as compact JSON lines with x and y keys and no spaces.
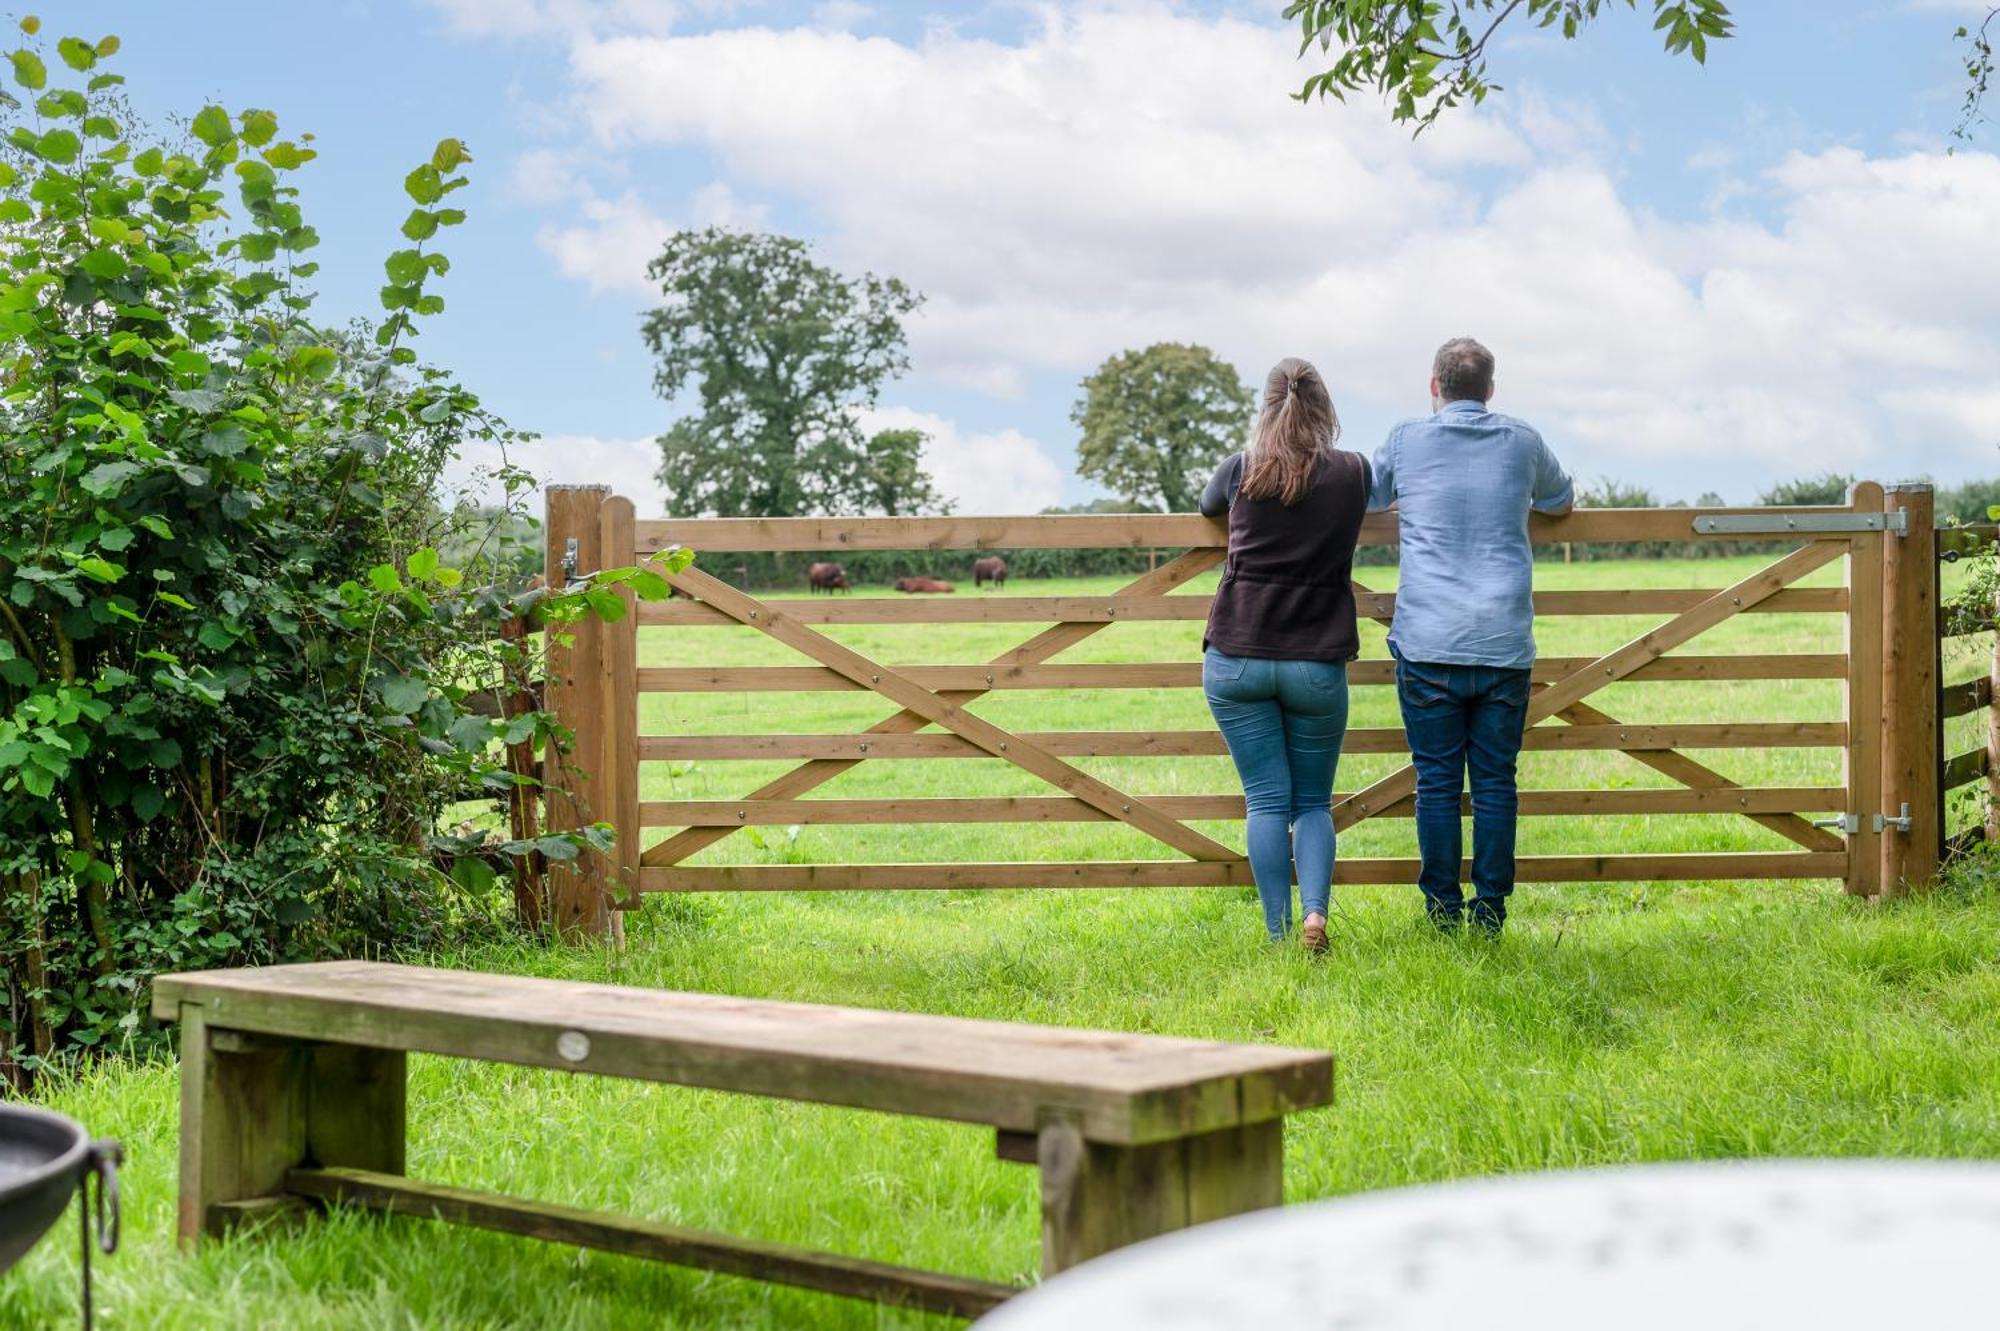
{"x":1614,"y":1023}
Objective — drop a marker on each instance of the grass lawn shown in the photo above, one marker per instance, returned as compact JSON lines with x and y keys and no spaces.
{"x":1614,"y":1023}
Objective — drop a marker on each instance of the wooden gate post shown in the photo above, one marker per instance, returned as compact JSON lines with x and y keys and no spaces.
{"x":579,"y":789}
{"x":619,"y":671}
{"x":1862,"y":762}
{"x":1910,"y":756}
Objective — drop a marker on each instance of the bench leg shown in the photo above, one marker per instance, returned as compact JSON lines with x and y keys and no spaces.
{"x":253,"y":1108}
{"x":1097,"y":1197}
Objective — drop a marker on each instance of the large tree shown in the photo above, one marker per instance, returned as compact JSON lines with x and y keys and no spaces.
{"x":1155,"y":423}
{"x":785,"y":353}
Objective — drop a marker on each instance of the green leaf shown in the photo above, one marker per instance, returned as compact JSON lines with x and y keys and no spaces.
{"x":424,"y":184}
{"x":405,"y":267}
{"x":385,"y":578}
{"x":77,"y":54}
{"x":173,"y":599}
{"x":147,"y":801}
{"x":113,"y":229}
{"x":420,"y":224}
{"x":315,"y":363}
{"x":29,"y":71}
{"x":449,"y":153}
{"x":212,"y":126}
{"x":108,"y":477}
{"x":149,"y":163}
{"x":31,"y":25}
{"x":449,"y":577}
{"x":59,"y":146}
{"x":423,"y":563}
{"x":259,"y":127}
{"x":107,"y":45}
{"x":401,"y":694}
{"x":102,"y":570}
{"x":216,"y":636}
{"x":472,"y":873}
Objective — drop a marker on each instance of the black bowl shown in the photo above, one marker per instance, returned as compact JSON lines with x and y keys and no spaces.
{"x":43,"y":1158}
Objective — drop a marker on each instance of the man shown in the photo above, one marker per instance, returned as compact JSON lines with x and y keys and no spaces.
{"x":1463,"y":481}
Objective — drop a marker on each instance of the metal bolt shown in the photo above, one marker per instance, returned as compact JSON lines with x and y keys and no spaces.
{"x":864,"y":746}
{"x":741,"y":815}
{"x":753,"y":614}
{"x":874,"y":679}
{"x":1736,"y":600}
{"x":989,"y":679}
{"x":1126,"y":807}
{"x":1003,"y":746}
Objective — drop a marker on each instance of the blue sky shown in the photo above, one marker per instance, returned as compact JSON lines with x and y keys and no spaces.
{"x":1695,"y":278}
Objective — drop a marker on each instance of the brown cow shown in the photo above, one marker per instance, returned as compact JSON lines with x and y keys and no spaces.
{"x":828,"y":578}
{"x":922,"y":585}
{"x":991,"y":569}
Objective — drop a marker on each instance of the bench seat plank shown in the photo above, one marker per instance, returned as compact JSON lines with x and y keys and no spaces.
{"x":1120,"y":1088}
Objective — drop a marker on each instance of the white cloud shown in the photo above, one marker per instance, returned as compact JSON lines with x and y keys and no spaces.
{"x":528,"y":18}
{"x":610,"y":247}
{"x":544,"y":175}
{"x":626,"y":465}
{"x":998,"y":472}
{"x":1133,"y":173}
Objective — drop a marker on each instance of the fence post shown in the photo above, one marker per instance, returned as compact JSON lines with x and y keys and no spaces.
{"x":577,"y":781}
{"x":1862,"y":759}
{"x":619,"y":663}
{"x":1910,"y":757}
{"x":1993,"y":731}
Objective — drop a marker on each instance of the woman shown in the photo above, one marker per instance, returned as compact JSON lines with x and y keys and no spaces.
{"x":1281,"y":632}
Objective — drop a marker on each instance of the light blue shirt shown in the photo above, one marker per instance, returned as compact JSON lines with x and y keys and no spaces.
{"x":1463,"y":482}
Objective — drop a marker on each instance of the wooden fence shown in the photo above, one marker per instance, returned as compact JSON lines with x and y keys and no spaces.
{"x":1886,"y":832}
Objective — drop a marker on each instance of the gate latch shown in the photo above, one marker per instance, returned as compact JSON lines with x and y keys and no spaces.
{"x":1849,"y":823}
{"x":1901,"y":822}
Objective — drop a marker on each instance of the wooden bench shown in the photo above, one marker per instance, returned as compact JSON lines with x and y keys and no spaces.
{"x":293,"y":1087}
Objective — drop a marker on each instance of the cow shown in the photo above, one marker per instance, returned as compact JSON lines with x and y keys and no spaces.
{"x":828,"y":578}
{"x":991,"y":569}
{"x":923,"y":585}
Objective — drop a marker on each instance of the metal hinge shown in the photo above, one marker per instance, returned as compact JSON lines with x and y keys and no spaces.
{"x":1901,"y":822}
{"x":1807,"y":524}
{"x":569,"y":562}
{"x":1849,"y":823}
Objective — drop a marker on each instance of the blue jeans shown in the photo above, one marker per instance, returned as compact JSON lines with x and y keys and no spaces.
{"x":1284,"y":722}
{"x":1461,"y":718}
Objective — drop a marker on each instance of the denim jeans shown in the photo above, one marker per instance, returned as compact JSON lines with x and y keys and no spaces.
{"x":1460,"y":718}
{"x":1284,"y":722}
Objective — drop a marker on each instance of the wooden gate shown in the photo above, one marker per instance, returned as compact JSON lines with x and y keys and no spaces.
{"x":1886,"y":731}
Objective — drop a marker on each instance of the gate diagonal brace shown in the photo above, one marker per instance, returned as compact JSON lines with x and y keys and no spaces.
{"x":1401,"y":784}
{"x":1048,"y":643}
{"x":913,"y":697}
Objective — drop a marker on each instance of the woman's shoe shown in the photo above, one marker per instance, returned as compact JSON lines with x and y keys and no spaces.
{"x":1314,"y":934}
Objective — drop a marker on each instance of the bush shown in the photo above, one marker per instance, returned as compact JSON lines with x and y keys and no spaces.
{"x":234,"y":670}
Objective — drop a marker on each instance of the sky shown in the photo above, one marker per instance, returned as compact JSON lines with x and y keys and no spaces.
{"x":1698,"y":279}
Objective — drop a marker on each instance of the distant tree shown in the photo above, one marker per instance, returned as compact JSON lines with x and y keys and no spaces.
{"x":1605,"y":492}
{"x":785,"y":354}
{"x":1829,"y":488}
{"x":891,"y":480}
{"x":1096,"y":506}
{"x":1156,"y":422}
{"x":1975,"y":501}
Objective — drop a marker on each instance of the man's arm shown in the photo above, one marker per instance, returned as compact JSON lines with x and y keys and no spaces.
{"x":1382,"y":491}
{"x":1554,"y":493}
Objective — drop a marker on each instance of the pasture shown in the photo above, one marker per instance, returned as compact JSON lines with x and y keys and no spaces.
{"x":1614,"y":1023}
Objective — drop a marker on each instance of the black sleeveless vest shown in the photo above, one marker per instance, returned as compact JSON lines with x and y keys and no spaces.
{"x":1287,"y":591}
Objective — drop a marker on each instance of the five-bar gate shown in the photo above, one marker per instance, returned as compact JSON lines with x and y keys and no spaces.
{"x":1883,"y":833}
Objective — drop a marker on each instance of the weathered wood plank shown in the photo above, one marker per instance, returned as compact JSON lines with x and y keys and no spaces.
{"x":1912,"y":740}
{"x":1963,"y":769}
{"x":1097,"y":1198}
{"x":1054,"y":809}
{"x":1003,"y":609}
{"x":1717,"y":866}
{"x":1966,"y":697}
{"x":1861,"y":761}
{"x":1128,"y":531}
{"x":1187,"y":674}
{"x":675,"y":1245}
{"x":1191,"y":743}
{"x":1127,"y":1088}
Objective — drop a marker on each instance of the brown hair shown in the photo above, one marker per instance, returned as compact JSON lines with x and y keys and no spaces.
{"x":1294,"y":428}
{"x":1464,"y":371}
